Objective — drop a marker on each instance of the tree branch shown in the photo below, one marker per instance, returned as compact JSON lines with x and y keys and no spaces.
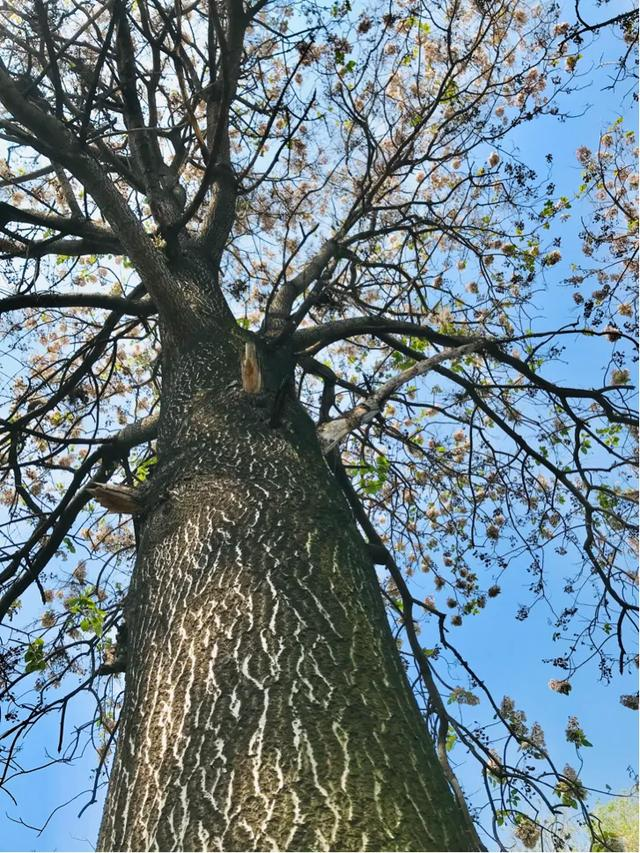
{"x":54,"y":246}
{"x":59,"y":522}
{"x":279,"y":310}
{"x":331,"y":433}
{"x":54,"y":140}
{"x":219,"y":172}
{"x":315,"y":338}
{"x":142,"y":139}
{"x":63,"y":224}
{"x":135,"y":307}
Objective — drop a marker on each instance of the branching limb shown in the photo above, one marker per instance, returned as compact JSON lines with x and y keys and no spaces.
{"x":333,"y":432}
{"x":54,"y":246}
{"x":51,"y":531}
{"x":279,"y":310}
{"x":315,"y":338}
{"x":135,"y":307}
{"x":54,"y":140}
{"x":219,"y":173}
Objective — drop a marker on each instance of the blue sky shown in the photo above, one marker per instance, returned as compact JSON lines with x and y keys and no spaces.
{"x":507,"y":653}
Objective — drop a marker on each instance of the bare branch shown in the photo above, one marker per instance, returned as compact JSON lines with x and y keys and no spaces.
{"x":332,"y":432}
{"x":135,"y":307}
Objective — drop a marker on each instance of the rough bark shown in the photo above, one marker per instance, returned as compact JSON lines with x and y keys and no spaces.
{"x":266,"y":705}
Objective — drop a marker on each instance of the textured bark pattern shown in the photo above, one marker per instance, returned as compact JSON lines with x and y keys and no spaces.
{"x":266,"y":706}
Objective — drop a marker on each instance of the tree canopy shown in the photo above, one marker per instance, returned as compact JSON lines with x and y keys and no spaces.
{"x":347,"y":177}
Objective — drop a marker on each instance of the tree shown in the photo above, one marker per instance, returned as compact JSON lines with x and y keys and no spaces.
{"x":272,"y":273}
{"x":619,"y":819}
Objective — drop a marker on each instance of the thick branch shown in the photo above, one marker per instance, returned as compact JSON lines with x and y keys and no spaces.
{"x":54,"y":246}
{"x":142,"y":139}
{"x":58,"y":523}
{"x":333,"y":432}
{"x":52,"y":138}
{"x":79,"y":227}
{"x":219,"y":171}
{"x":278,"y":313}
{"x":135,"y":307}
{"x":318,"y":337}
{"x":313,"y":339}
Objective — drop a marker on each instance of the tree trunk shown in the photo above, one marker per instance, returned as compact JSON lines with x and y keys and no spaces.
{"x":266,"y":707}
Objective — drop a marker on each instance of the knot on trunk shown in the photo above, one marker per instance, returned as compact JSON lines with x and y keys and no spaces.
{"x":250,"y":369}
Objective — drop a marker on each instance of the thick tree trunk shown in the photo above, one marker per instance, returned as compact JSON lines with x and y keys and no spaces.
{"x":266,"y":705}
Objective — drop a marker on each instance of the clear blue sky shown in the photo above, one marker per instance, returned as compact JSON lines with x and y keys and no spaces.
{"x":506,"y":652}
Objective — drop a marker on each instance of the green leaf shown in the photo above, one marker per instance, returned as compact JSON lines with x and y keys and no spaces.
{"x":143,"y":470}
{"x":92,"y":617}
{"x":34,"y":656}
{"x":373,"y":478}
